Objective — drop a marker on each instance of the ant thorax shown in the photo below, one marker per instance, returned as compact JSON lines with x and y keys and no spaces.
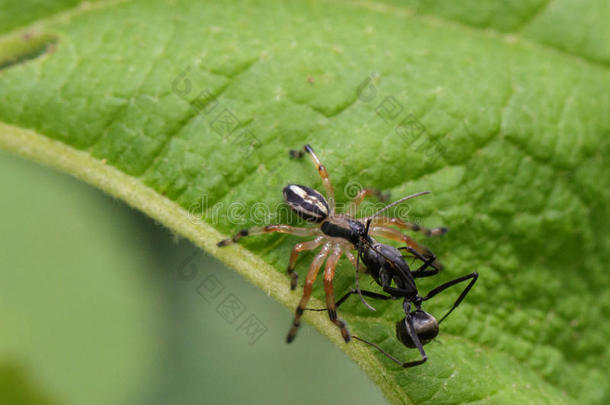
{"x":386,"y":258}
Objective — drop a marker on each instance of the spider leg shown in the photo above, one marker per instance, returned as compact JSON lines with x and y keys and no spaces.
{"x":329,"y":275}
{"x":298,"y":248}
{"x":393,"y":234}
{"x":409,"y":226}
{"x":311,"y":277}
{"x":258,"y":230}
{"x":330,"y":194}
{"x":472,"y":276}
{"x":362,"y":194}
{"x":350,"y":256}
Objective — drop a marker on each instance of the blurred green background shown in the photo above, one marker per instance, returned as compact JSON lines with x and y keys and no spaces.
{"x":96,"y":308}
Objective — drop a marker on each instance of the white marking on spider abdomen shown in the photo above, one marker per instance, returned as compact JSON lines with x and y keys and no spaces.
{"x":306,"y":202}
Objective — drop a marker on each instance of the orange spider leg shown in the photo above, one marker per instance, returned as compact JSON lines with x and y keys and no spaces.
{"x":311,"y":277}
{"x":329,"y":275}
{"x":330,"y":194}
{"x":258,"y":230}
{"x":298,"y":248}
{"x":362,"y":194}
{"x":409,"y":225}
{"x":394,"y":234}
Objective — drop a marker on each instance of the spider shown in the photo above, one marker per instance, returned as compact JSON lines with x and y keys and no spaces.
{"x":337,"y":235}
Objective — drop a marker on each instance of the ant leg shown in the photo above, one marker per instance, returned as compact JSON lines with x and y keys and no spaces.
{"x":365,"y":192}
{"x":409,"y":323}
{"x":422,"y":274}
{"x":409,"y":226}
{"x":329,"y":275}
{"x":393,"y":234}
{"x":370,"y":294}
{"x":421,"y":271}
{"x":298,"y":248}
{"x":410,"y":328}
{"x":366,"y":293}
{"x":414,"y":338}
{"x":386,"y":285}
{"x":258,"y":230}
{"x":311,"y":277}
{"x":395,"y":292}
{"x":451,"y":283}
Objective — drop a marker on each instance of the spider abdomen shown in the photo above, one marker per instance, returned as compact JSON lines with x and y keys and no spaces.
{"x":306,"y":202}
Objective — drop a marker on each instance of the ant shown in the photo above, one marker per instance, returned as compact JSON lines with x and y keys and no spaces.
{"x":338,"y":234}
{"x":385,"y":264}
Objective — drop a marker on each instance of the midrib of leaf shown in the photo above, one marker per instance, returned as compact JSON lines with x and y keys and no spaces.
{"x":39,"y":148}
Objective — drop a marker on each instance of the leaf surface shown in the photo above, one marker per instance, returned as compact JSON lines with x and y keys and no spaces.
{"x":187,"y":111}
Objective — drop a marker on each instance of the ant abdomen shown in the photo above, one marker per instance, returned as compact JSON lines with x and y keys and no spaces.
{"x":426,"y":328}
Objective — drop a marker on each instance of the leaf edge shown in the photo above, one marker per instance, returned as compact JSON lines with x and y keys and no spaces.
{"x":41,"y":149}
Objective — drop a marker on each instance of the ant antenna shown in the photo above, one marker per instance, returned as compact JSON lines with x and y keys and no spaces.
{"x":366,"y":304}
{"x":388,"y":355}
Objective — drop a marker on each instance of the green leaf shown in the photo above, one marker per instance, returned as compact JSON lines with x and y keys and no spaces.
{"x":187,"y":110}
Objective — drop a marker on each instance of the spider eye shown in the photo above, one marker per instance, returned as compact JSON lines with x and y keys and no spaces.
{"x":426,"y":327}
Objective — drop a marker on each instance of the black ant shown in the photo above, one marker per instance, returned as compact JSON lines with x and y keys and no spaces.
{"x":338,"y":234}
{"x":385,"y":264}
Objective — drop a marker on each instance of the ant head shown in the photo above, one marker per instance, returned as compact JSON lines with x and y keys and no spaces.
{"x":360,"y":233}
{"x":363,"y":232}
{"x":426,"y":328}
